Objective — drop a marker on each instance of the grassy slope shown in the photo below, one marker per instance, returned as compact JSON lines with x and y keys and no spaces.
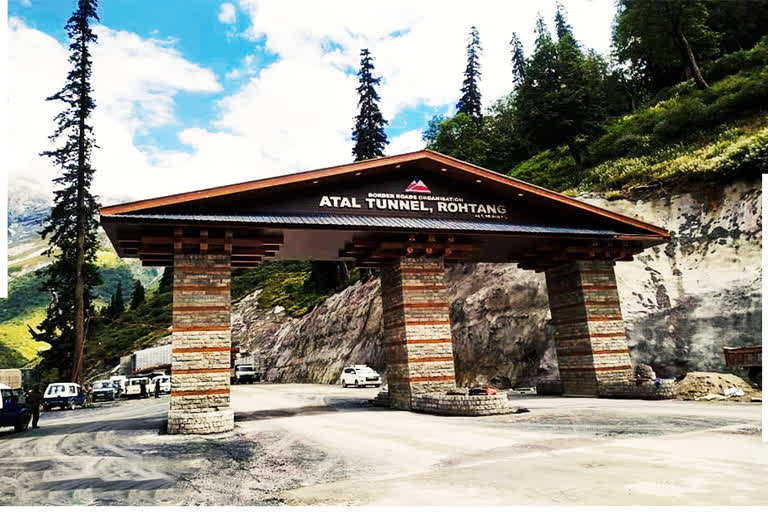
{"x":26,"y":303}
{"x":687,"y":137}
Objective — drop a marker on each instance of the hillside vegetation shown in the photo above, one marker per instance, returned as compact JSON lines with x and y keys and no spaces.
{"x":576,"y":121}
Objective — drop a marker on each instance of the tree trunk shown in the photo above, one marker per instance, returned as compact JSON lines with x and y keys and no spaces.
{"x":81,"y":227}
{"x":577,"y":156}
{"x":688,"y":57}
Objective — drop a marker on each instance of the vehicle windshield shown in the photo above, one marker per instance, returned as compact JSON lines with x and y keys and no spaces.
{"x":245,"y":368}
{"x":102,"y":385}
{"x":59,"y":388}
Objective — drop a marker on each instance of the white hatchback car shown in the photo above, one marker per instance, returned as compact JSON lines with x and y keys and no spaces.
{"x":360,"y":375}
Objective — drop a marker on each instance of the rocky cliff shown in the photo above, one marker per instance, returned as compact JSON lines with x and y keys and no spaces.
{"x":681,"y":302}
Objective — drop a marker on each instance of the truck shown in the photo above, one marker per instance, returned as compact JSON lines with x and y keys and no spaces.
{"x":749,"y":358}
{"x":11,"y":377}
{"x":246,"y":369}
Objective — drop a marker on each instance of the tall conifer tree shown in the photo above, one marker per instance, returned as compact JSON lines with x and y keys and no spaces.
{"x":71,"y":226}
{"x":518,"y":60}
{"x":562,"y":27}
{"x":138,"y":294}
{"x":470,"y":102}
{"x":368,"y":133}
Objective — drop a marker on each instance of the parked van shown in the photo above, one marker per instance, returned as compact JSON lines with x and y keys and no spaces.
{"x":66,"y":395}
{"x":13,"y":410}
{"x":133,"y":387}
{"x":165,"y":384}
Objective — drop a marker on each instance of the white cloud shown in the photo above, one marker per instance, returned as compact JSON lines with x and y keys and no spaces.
{"x":227,"y":13}
{"x":295,"y":114}
{"x":405,"y":143}
{"x":26,"y":3}
{"x":134,"y":83}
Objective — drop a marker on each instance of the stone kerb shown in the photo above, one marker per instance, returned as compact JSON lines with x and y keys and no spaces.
{"x":462,"y":405}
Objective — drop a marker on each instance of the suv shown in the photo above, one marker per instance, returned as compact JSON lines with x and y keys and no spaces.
{"x":360,"y":375}
{"x":66,"y":395}
{"x":13,"y":409}
{"x":104,"y":390}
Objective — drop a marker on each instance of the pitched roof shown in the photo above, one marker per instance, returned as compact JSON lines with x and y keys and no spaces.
{"x":356,"y":167}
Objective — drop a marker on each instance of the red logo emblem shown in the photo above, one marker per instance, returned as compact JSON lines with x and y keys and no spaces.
{"x":418,"y":187}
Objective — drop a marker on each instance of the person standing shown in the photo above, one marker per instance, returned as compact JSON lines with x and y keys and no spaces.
{"x":157,"y":387}
{"x":143,"y":388}
{"x":34,"y":397}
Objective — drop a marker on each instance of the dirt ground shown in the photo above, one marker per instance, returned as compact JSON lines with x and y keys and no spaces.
{"x":303,"y":444}
{"x":702,"y":385}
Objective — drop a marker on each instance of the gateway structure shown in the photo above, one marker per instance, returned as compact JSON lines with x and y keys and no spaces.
{"x":408,"y":215}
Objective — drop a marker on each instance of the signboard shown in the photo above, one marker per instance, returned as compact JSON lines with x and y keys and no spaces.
{"x":393,"y":196}
{"x":416,"y":197}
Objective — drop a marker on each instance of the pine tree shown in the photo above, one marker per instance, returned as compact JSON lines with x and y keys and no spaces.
{"x":166,"y":280}
{"x":368,"y":133}
{"x":118,"y":304}
{"x":518,"y":60}
{"x":470,"y":101}
{"x":138,"y":295}
{"x":562,"y":98}
{"x":562,"y":28}
{"x":71,"y":226}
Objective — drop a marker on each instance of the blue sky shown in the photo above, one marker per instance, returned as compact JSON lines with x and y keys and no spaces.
{"x":253,"y":88}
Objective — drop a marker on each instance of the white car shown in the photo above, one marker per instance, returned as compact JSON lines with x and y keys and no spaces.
{"x":165,"y":384}
{"x":360,"y":375}
{"x":133,"y":387}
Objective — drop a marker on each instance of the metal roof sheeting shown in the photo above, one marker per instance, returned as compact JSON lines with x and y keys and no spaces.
{"x":367,"y":221}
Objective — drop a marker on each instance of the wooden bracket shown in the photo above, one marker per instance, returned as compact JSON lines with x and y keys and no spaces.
{"x":177,"y":239}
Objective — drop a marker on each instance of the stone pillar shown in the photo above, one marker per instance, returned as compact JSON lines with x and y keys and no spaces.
{"x":590,"y":341}
{"x":200,"y":364}
{"x":417,"y":329}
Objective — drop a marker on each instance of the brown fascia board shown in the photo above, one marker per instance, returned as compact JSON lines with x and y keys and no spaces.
{"x":341,"y":170}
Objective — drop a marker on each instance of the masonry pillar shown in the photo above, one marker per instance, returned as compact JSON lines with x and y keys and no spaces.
{"x":200,"y":364}
{"x":417,"y":329}
{"x":590,"y":342}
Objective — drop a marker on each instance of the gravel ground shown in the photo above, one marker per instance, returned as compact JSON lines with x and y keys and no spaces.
{"x":302,"y":444}
{"x":116,"y":454}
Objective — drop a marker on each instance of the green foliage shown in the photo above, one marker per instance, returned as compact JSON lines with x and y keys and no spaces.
{"x":651,"y":37}
{"x":562,"y":97}
{"x":684,"y":116}
{"x":110,"y":338}
{"x":138,"y":294}
{"x":368,"y":133}
{"x":735,"y":153}
{"x":470,"y":103}
{"x":554,"y":169}
{"x":460,"y":137}
{"x":283,"y":283}
{"x":518,"y":60}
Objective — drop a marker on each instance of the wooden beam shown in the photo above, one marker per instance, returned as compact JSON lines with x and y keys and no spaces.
{"x":204,"y":241}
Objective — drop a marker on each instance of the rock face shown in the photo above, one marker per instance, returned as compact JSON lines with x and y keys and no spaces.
{"x":681,"y":302}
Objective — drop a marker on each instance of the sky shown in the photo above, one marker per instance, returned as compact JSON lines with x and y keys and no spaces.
{"x":198,"y":93}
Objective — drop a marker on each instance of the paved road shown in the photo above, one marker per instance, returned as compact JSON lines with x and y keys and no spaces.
{"x":312,"y":444}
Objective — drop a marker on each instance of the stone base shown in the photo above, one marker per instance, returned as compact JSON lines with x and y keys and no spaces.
{"x":462,"y":405}
{"x":212,"y":422}
{"x":665,"y":390}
